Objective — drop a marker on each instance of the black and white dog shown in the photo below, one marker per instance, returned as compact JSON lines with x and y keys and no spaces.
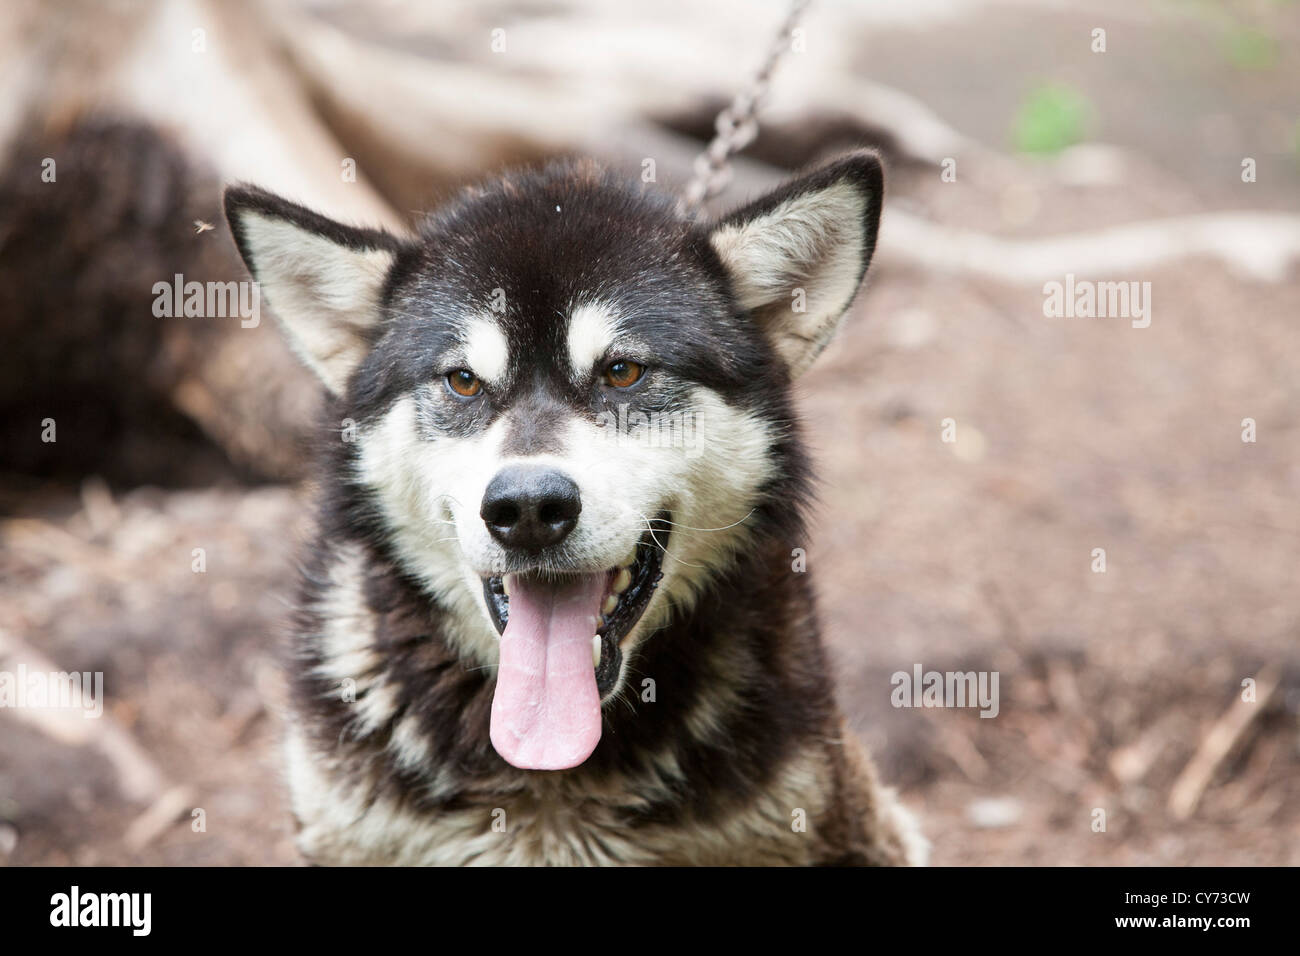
{"x":549,"y":614}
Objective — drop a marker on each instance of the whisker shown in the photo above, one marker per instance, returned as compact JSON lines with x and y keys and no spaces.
{"x":654,"y":536}
{"x":725,"y":527}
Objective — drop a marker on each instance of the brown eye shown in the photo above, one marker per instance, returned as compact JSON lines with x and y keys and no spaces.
{"x":464,"y":383}
{"x":622,"y":374}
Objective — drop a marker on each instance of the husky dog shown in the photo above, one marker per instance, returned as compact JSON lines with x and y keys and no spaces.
{"x":549,"y":614}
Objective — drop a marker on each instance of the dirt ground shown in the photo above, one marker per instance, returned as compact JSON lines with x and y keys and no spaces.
{"x":1072,"y":434}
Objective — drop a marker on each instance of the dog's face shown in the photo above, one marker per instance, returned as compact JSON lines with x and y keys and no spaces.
{"x":568,"y":402}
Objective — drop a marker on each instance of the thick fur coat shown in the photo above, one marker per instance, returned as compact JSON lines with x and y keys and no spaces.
{"x":564,"y":324}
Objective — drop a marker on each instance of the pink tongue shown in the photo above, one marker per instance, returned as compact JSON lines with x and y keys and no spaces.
{"x":546,"y":711}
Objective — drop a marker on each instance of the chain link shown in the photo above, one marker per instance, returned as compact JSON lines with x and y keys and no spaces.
{"x":737,"y":125}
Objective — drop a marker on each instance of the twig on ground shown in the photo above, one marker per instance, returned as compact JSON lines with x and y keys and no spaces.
{"x":1227,"y":731}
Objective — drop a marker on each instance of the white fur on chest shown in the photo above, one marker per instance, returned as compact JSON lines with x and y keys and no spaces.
{"x":342,"y":823}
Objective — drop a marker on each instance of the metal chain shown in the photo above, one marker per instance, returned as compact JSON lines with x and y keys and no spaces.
{"x":737,"y":125}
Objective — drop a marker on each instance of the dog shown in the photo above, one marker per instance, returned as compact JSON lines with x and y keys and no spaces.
{"x":549,"y":614}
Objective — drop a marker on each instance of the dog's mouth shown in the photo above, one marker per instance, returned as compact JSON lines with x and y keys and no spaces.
{"x":561,"y":651}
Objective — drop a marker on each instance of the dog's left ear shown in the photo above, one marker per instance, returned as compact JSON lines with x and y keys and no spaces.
{"x":797,"y":256}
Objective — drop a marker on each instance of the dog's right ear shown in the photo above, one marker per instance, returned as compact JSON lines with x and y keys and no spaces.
{"x":324,"y":280}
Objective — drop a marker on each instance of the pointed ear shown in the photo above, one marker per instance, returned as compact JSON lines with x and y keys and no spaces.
{"x":324,"y":280}
{"x":816,"y":234}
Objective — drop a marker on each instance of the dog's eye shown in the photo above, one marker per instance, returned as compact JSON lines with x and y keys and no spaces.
{"x":464,"y":383}
{"x":622,"y":374}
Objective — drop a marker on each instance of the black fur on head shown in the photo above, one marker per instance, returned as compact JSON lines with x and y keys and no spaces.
{"x":738,"y":306}
{"x":528,"y":246}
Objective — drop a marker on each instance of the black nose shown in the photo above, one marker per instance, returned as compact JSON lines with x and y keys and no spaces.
{"x":530,"y":508}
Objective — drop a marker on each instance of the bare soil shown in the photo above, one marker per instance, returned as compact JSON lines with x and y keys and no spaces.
{"x":972,"y":555}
